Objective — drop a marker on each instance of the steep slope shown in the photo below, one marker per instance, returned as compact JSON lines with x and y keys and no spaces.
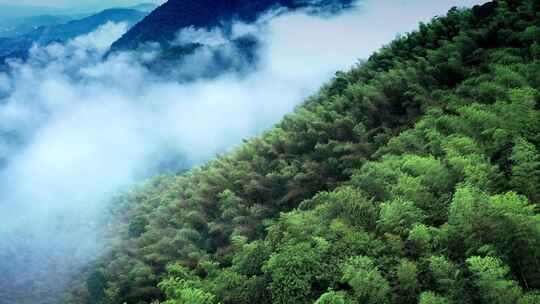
{"x":144,"y":7}
{"x":17,"y":47}
{"x":411,"y":178}
{"x":163,"y":23}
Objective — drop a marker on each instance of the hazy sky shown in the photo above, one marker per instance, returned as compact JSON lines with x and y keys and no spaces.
{"x":78,"y":3}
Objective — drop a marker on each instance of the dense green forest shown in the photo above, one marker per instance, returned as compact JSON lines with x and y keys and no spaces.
{"x":412,"y":178}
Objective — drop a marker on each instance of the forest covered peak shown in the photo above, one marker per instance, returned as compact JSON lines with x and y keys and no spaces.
{"x":412,"y":178}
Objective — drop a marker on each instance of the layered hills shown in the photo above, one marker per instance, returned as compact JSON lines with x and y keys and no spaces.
{"x":18,"y":46}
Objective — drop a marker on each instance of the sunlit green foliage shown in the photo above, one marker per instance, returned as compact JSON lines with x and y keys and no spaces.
{"x":489,"y":276}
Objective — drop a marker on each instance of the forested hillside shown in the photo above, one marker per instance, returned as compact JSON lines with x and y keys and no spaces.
{"x":412,"y":178}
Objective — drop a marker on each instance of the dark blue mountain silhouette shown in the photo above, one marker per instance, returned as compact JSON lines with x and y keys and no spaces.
{"x":163,"y":23}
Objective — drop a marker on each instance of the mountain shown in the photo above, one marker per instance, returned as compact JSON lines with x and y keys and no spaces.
{"x":86,"y":25}
{"x":10,"y":28}
{"x":163,"y":24}
{"x":14,"y":25}
{"x":412,"y":178}
{"x":144,"y":7}
{"x":10,"y":11}
{"x":19,"y":46}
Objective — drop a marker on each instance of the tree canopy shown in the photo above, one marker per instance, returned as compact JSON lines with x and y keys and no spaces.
{"x":412,"y":178}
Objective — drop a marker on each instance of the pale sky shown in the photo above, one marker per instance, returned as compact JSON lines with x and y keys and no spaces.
{"x":77,"y":3}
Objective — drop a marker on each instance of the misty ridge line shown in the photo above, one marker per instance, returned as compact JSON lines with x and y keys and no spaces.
{"x":84,"y":124}
{"x":67,"y":165}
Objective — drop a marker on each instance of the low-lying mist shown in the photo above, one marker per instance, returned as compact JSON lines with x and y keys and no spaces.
{"x":77,"y":126}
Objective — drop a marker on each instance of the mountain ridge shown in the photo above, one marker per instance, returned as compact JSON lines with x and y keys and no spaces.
{"x":18,"y":47}
{"x":412,"y":178}
{"x":163,"y":24}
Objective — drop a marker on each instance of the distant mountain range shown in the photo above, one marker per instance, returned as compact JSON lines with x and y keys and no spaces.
{"x":19,"y":46}
{"x":10,"y":28}
{"x":160,"y":26}
{"x":150,"y":23}
{"x":11,"y":11}
{"x":18,"y":26}
{"x":15,"y":10}
{"x":163,"y":25}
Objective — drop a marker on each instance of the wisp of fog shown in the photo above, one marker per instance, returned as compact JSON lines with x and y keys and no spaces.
{"x":77,"y":125}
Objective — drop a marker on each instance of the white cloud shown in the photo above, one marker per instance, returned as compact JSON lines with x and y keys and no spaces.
{"x":101,"y":39}
{"x":212,"y":37}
